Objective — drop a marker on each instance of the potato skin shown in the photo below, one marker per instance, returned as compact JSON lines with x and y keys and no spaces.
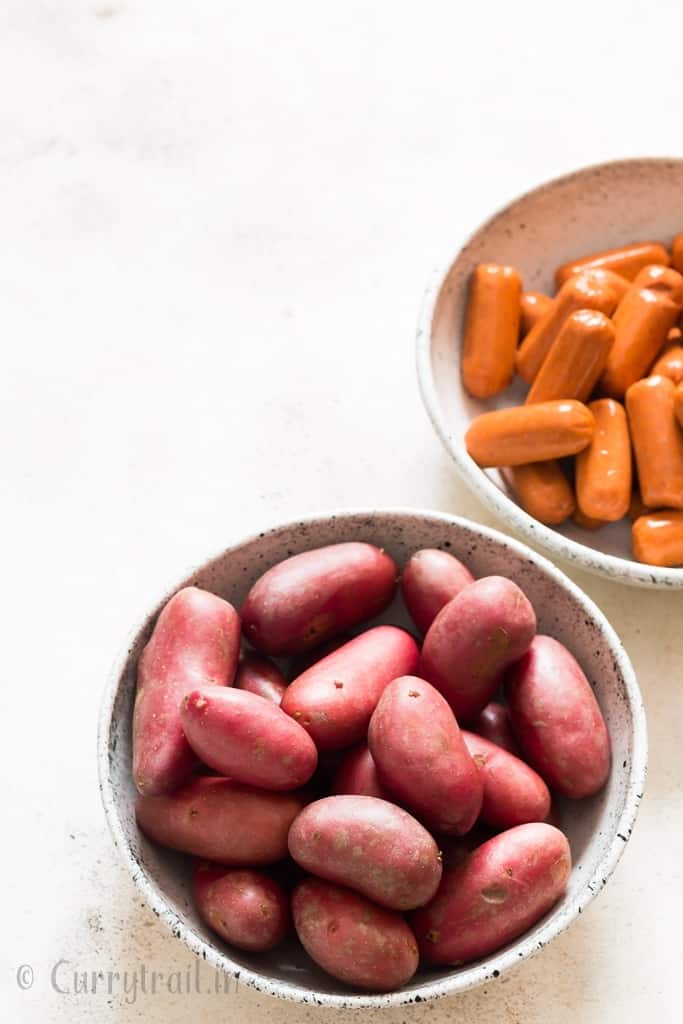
{"x":473,"y":639}
{"x":514,"y":793}
{"x":430,"y":579}
{"x":355,"y":941}
{"x":494,"y":895}
{"x":557,"y":719}
{"x":309,"y":598}
{"x":370,"y":846}
{"x":195,"y":642}
{"x":422,"y":758}
{"x":221,"y":820}
{"x":246,"y":908}
{"x":493,"y":723}
{"x":357,"y":775}
{"x":261,"y":676}
{"x":248,"y":738}
{"x":334,"y":698}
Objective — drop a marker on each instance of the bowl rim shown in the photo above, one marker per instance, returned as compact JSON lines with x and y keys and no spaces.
{"x":613,"y":567}
{"x":468,"y":978}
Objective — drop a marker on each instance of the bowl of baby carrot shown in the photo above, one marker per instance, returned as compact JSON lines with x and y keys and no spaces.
{"x":550,"y":360}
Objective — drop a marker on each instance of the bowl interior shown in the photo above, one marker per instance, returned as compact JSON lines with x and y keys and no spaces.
{"x":593,"y":209}
{"x":591,"y":825}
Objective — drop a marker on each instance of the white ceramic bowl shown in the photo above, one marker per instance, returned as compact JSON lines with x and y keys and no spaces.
{"x":598,"y":828}
{"x":592,"y":209}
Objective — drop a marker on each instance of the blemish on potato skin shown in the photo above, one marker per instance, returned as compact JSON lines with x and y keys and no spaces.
{"x":494,"y":893}
{"x":413,"y":693}
{"x":338,"y":685}
{"x":433,"y":935}
{"x":560,"y":869}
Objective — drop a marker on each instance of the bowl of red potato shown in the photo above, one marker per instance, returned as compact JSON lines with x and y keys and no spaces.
{"x":371,"y":758}
{"x":550,"y":360}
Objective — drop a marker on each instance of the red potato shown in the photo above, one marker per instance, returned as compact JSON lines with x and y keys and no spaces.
{"x":494,"y":895}
{"x":514,"y":793}
{"x":473,"y":639}
{"x":493,"y":723}
{"x":195,"y":642}
{"x":221,"y":820}
{"x":311,"y":597}
{"x":357,"y":775}
{"x":248,"y":738}
{"x":352,"y":939}
{"x":421,"y":756}
{"x":259,"y":675}
{"x":246,"y":908}
{"x":557,"y":719}
{"x":431,"y":579}
{"x":369,"y":845}
{"x":333,"y":700}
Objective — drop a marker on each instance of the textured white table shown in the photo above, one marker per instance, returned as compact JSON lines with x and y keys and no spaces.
{"x":217,"y":221}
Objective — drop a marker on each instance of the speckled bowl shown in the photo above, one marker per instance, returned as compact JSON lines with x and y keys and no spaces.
{"x":592,"y":209}
{"x":598,"y":828}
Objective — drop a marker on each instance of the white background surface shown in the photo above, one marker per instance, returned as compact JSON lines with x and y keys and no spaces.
{"x":217,"y":220}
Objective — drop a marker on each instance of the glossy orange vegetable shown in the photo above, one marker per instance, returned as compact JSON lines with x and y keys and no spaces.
{"x":658,"y":538}
{"x":670,"y":362}
{"x":626,"y":260}
{"x":543,"y":491}
{"x":533,"y":305}
{"x":642,"y":323}
{"x":657,"y":441}
{"x":677,"y":253}
{"x":491,"y":329}
{"x":529,"y":433}
{"x":576,"y":358}
{"x":678,"y":404}
{"x":592,"y":289}
{"x":603,"y":469}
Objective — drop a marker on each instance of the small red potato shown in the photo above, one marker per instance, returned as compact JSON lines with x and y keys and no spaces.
{"x":357,"y":775}
{"x":221,"y":820}
{"x":430,"y":580}
{"x":494,"y":895}
{"x":557,"y":719}
{"x":333,"y":700}
{"x":311,"y":597}
{"x":473,"y":639}
{"x":493,"y":723}
{"x":352,"y":939}
{"x":195,"y":642}
{"x":261,"y":676}
{"x":514,"y":793}
{"x":369,"y":845}
{"x":421,"y":756}
{"x":248,"y":738}
{"x":246,"y":908}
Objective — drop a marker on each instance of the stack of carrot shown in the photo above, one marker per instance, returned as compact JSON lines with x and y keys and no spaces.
{"x":603,"y":360}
